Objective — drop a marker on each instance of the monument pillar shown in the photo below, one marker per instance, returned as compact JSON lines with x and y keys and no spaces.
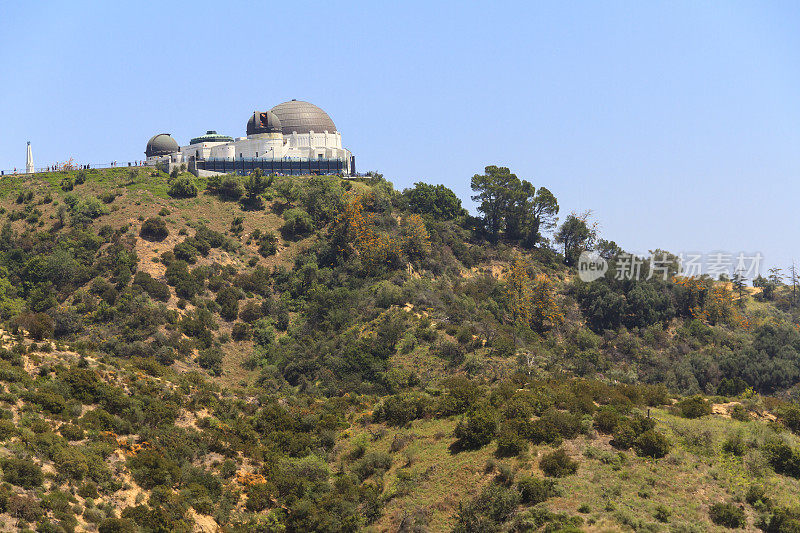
{"x":29,"y":160}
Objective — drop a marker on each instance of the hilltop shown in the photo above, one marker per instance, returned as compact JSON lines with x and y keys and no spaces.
{"x":313,"y":353}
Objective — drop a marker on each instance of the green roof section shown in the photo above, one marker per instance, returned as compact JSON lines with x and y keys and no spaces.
{"x":211,"y":136}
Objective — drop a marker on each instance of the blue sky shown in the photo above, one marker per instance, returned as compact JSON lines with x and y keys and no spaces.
{"x":677,"y":123}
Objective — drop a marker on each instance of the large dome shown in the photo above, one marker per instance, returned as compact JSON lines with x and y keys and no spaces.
{"x":303,"y":117}
{"x":161,"y":144}
{"x":263,"y":122}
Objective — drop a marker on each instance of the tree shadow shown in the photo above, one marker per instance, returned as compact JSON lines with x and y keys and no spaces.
{"x":252,"y":204}
{"x":460,"y":446}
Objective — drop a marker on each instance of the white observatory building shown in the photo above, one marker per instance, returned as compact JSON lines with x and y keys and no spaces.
{"x":292,"y":138}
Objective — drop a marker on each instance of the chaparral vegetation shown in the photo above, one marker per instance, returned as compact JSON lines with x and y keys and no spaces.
{"x":294,"y":354}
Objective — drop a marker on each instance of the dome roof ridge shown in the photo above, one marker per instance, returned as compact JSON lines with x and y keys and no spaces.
{"x":303,"y":117}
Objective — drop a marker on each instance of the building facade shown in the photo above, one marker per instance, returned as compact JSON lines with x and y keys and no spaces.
{"x":292,"y":138}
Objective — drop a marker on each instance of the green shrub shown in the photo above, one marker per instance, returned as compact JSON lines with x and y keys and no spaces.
{"x":503,"y":347}
{"x":731,"y":387}
{"x":781,"y":520}
{"x":38,"y":325}
{"x":157,"y":290}
{"x":536,"y":490}
{"x":93,"y":516}
{"x":662,"y":513}
{"x":48,"y":401}
{"x":118,"y":525}
{"x":7,"y":430}
{"x":263,"y":333}
{"x":629,"y":429}
{"x":790,"y":417}
{"x":298,"y":223}
{"x":101,"y":420}
{"x":782,"y":457}
{"x":186,"y":284}
{"x":83,"y":384}
{"x":552,"y":427}
{"x":24,"y":507}
{"x":449,"y":351}
{"x":211,"y":360}
{"x":485,"y":513}
{"x":251,"y":312}
{"x":259,"y":497}
{"x":154,"y":229}
{"x":186,"y":251}
{"x":228,"y":300}
{"x":652,"y":443}
{"x":241,"y":331}
{"x":88,"y":490}
{"x":58,"y":501}
{"x":183,"y":188}
{"x":87,"y":210}
{"x":735,"y":445}
{"x":267,"y":244}
{"x":228,"y":187}
{"x":401,"y":409}
{"x":476,"y":429}
{"x":72,"y":463}
{"x":509,"y":440}
{"x":460,"y":395}
{"x":558,"y":464}
{"x":22,"y":472}
{"x":606,"y":420}
{"x":567,"y":425}
{"x":738,"y":412}
{"x":151,"y":469}
{"x":693,"y":407}
{"x":727,"y":515}
{"x":372,"y":463}
{"x":756,"y":496}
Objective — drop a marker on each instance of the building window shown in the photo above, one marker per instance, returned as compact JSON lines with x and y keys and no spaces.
{"x":319,"y":156}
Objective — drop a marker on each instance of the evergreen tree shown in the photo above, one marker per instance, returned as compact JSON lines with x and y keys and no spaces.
{"x":541,"y":217}
{"x":435,"y":200}
{"x":493,"y":192}
{"x":576,"y":236}
{"x":769,"y":284}
{"x":739,"y":283}
{"x":514,"y":206}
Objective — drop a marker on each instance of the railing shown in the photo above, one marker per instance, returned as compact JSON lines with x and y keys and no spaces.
{"x":60,"y":167}
{"x":285,"y":166}
{"x":142,"y":163}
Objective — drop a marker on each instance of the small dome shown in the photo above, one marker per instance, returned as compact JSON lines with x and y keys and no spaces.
{"x":303,"y":117}
{"x":211,"y":136}
{"x":161,"y":144}
{"x":263,"y":122}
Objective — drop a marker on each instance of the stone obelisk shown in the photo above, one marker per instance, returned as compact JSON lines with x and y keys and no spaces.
{"x":29,"y":160}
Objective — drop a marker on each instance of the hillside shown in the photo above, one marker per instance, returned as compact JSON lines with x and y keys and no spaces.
{"x":318,"y":354}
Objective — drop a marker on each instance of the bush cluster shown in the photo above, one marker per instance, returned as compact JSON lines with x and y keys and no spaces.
{"x":154,"y":229}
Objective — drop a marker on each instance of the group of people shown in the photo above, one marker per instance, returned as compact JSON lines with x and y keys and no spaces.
{"x":87,"y":166}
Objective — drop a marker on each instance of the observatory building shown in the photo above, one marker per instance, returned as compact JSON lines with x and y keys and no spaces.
{"x":292,"y":138}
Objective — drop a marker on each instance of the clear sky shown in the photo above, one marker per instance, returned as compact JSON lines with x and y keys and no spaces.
{"x":677,"y":123}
